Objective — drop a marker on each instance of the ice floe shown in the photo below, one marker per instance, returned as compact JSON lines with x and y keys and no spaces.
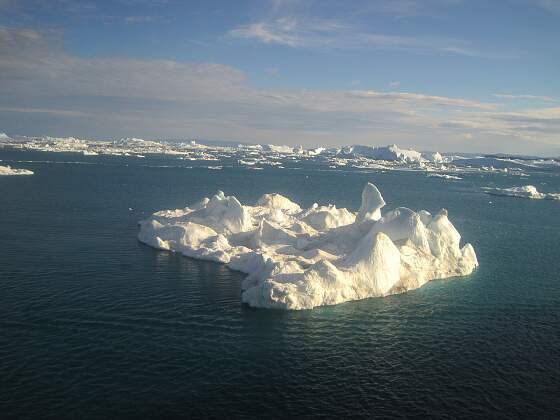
{"x":303,"y":258}
{"x":7,"y":170}
{"x":444,"y":176}
{"x":527,"y":191}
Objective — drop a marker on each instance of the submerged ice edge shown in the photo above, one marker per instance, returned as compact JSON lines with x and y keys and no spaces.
{"x":303,"y":258}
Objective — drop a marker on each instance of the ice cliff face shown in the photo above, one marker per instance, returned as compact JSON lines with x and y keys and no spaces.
{"x":300,"y":259}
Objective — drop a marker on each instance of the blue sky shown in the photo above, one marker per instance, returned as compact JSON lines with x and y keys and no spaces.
{"x":450,"y":75}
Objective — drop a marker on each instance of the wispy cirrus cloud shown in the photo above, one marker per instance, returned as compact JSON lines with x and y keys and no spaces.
{"x":395,"y":8}
{"x":141,"y":19}
{"x":26,"y":11}
{"x":527,"y":97}
{"x":322,"y":33}
{"x":549,"y":5}
{"x":51,"y":111}
{"x":426,"y":99}
{"x":408,"y":8}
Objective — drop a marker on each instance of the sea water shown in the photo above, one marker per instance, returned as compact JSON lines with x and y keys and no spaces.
{"x":95,"y":324}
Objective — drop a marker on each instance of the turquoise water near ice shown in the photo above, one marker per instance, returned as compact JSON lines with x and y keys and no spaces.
{"x":94,"y":324}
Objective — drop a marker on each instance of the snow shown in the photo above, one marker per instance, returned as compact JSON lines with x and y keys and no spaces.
{"x":7,"y":170}
{"x":316,"y":151}
{"x":303,"y":258}
{"x":434,"y":157}
{"x":527,"y":191}
{"x":372,"y":203}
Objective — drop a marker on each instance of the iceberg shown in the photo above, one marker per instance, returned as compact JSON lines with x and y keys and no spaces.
{"x":527,"y":191}
{"x":7,"y":170}
{"x":277,"y":148}
{"x":389,"y":153}
{"x":434,"y":157}
{"x":298,"y":258}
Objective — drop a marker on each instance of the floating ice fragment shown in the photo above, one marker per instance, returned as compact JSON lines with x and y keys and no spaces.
{"x":7,"y":170}
{"x":444,"y":176}
{"x":527,"y":191}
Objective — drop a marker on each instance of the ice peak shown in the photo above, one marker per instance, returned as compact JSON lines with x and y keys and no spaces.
{"x":372,"y":202}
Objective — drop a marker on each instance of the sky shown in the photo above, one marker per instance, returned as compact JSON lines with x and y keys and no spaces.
{"x":446,"y":75}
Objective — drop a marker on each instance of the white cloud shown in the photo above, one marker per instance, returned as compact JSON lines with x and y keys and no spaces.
{"x":321,"y":33}
{"x":532,"y":125}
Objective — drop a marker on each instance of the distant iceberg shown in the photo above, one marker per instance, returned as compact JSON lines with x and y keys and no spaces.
{"x":393,"y":153}
{"x":7,"y":170}
{"x":303,"y":258}
{"x":277,"y":148}
{"x":527,"y":191}
{"x":390,"y":153}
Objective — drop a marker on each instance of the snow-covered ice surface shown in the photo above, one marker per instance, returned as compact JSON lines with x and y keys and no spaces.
{"x":7,"y":170}
{"x":303,"y":258}
{"x":527,"y":191}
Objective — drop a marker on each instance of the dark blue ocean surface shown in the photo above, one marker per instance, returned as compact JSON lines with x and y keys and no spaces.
{"x":94,"y":324}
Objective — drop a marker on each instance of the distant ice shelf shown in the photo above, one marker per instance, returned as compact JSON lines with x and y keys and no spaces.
{"x":7,"y":170}
{"x":527,"y":191}
{"x":303,"y":258}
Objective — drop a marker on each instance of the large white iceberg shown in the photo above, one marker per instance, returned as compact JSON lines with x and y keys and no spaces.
{"x":7,"y":170}
{"x":302,"y":258}
{"x":527,"y":191}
